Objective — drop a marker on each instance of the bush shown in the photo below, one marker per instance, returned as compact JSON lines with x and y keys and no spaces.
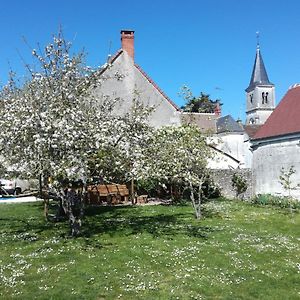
{"x":176,"y":190}
{"x":153,"y":188}
{"x":239,"y":183}
{"x":279,"y":201}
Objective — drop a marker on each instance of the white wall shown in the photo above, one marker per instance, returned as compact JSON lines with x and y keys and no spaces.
{"x":268,"y":159}
{"x":133,"y":82}
{"x":256,"y":110}
{"x":221,"y":162}
{"x":236,"y":145}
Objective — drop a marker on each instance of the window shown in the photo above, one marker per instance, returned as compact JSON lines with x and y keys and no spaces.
{"x":251,"y":98}
{"x":264,"y":97}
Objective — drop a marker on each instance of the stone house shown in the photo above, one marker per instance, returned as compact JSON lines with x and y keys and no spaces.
{"x":268,"y":141}
{"x":135,"y":83}
{"x":276,"y":145}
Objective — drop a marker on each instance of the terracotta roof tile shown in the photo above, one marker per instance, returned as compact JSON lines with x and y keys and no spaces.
{"x":285,"y":119}
{"x":205,"y":121}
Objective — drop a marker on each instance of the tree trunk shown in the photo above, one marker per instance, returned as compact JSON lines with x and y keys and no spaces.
{"x":196,"y":210}
{"x":43,"y":196}
{"x":199,"y":201}
{"x":74,"y":207}
{"x":196,"y":204}
{"x":132,"y":192}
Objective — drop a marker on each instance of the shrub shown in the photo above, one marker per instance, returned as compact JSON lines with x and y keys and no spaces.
{"x":239,"y":183}
{"x":152,"y":187}
{"x":279,"y":201}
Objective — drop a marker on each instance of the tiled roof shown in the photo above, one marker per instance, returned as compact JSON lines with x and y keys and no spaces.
{"x":285,"y":119}
{"x":206,"y":122}
{"x":228,"y":124}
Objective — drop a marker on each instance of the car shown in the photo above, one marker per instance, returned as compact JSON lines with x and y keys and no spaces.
{"x":14,"y":186}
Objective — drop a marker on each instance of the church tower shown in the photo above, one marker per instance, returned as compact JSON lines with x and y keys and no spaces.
{"x":260,"y":94}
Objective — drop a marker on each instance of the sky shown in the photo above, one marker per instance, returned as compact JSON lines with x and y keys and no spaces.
{"x":208,"y":45}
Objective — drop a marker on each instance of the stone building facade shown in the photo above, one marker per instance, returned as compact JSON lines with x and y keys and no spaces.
{"x":276,"y":147}
{"x":267,"y":142}
{"x":132,"y":83}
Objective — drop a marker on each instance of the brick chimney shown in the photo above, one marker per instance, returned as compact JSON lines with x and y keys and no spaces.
{"x":217,"y":109}
{"x":127,"y":40}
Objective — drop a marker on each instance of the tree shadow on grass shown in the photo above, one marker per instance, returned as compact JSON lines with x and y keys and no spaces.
{"x":18,"y":229}
{"x":113,"y":220}
{"x":26,"y":225}
{"x":129,"y":222}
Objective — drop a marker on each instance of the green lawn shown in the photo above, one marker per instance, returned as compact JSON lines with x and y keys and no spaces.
{"x":237,"y":251}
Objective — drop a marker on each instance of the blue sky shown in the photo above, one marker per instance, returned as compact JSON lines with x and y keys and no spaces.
{"x":207,"y":45}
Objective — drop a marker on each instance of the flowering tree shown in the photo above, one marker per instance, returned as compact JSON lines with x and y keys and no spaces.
{"x":180,"y":153}
{"x":121,"y":158}
{"x":51,"y":123}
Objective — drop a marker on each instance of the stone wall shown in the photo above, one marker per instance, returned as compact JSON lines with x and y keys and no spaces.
{"x":223,"y":179}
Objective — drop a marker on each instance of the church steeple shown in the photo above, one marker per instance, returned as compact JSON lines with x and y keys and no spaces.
{"x":260,"y":94}
{"x":259,"y":73}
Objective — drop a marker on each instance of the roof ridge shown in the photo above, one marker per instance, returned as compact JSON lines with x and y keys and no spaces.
{"x":293,"y":86}
{"x":107,"y":64}
{"x":115,"y":56}
{"x":156,"y":86}
{"x":225,"y":153}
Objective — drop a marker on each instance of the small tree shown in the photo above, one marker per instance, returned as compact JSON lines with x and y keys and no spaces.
{"x":179,"y":154}
{"x":286,"y":181}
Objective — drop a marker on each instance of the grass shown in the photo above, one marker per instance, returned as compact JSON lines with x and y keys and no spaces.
{"x":238,"y":251}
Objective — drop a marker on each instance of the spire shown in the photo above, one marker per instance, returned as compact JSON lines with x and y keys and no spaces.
{"x":259,"y":73}
{"x":257,"y":39}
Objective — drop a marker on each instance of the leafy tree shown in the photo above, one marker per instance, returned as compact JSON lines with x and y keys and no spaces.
{"x":179,"y":154}
{"x":200,"y":104}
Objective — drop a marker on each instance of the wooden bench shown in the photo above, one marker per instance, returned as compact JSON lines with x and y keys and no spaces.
{"x":109,"y":193}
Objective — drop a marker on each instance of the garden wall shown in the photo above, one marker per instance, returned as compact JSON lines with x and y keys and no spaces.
{"x":223,"y":179}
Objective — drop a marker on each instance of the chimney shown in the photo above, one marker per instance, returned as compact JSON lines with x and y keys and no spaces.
{"x":127,"y":40}
{"x":217,"y":109}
